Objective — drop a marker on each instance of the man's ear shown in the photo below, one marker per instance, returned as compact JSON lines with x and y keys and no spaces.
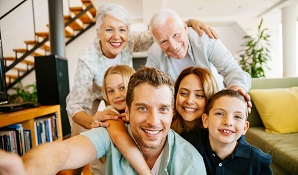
{"x":127,"y":113}
{"x":205,"y":120}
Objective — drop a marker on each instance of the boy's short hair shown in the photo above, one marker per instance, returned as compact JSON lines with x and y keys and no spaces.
{"x":222,"y":93}
{"x":151,"y":76}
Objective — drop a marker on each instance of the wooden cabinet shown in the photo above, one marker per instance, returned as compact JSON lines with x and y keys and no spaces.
{"x":26,"y":117}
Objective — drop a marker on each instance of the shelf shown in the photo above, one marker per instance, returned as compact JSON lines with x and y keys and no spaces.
{"x":26,"y":117}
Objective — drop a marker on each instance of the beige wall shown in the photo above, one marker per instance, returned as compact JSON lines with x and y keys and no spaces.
{"x":230,"y":30}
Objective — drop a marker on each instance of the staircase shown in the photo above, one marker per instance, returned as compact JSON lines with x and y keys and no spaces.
{"x":22,"y":63}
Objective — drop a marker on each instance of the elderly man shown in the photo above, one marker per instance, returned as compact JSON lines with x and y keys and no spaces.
{"x":178,"y":47}
{"x":149,"y":107}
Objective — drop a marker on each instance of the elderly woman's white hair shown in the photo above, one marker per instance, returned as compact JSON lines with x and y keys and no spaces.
{"x":114,"y":10}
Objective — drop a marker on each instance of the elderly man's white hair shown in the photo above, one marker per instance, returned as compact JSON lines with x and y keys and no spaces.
{"x":114,"y":10}
{"x":162,"y":16}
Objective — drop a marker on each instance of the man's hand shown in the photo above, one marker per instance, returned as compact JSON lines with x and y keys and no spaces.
{"x":245,"y":95}
{"x":11,"y":164}
{"x":199,"y":26}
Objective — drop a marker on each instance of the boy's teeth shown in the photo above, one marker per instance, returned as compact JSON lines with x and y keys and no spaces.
{"x":226,"y":131}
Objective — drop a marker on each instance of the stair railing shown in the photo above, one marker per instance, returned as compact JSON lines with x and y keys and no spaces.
{"x":29,"y":52}
{"x":84,"y":29}
{"x":40,"y":43}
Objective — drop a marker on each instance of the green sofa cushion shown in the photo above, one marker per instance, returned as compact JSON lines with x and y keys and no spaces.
{"x":282,"y":147}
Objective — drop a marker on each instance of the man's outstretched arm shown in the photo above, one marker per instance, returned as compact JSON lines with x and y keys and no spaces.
{"x":50,"y":158}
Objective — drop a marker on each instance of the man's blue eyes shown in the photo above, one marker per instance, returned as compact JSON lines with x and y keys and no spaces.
{"x":142,"y":108}
{"x":161,"y":109}
{"x":164,"y":109}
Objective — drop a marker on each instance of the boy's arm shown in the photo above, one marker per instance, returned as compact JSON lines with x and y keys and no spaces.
{"x":50,"y":158}
{"x":127,"y":147}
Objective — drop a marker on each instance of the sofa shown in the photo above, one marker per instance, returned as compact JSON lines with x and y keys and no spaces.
{"x":279,"y":99}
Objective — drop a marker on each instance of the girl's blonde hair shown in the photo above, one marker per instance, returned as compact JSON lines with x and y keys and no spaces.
{"x":209,"y":87}
{"x":123,"y":70}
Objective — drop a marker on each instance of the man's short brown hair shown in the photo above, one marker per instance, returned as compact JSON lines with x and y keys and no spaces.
{"x":151,"y":76}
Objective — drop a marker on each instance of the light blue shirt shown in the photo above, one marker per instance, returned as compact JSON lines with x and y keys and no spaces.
{"x":179,"y":156}
{"x":205,"y":53}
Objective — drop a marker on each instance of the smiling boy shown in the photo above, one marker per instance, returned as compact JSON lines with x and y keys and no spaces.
{"x":223,"y":146}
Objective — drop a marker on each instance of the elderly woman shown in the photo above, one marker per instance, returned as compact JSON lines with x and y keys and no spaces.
{"x":113,"y":45}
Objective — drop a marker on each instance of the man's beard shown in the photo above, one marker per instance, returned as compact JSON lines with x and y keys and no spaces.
{"x":143,"y":144}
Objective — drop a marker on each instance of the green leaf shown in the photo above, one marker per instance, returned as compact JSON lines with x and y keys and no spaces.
{"x":255,"y":52}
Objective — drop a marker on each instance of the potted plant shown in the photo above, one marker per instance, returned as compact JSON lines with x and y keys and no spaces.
{"x":256,"y":52}
{"x":26,"y":93}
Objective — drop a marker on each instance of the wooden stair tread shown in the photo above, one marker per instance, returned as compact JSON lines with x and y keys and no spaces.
{"x":20,"y":50}
{"x":24,"y":61}
{"x":9,"y":58}
{"x":19,"y":69}
{"x":32,"y":42}
{"x":25,"y":50}
{"x":42,"y":34}
{"x":28,"y":62}
{"x":78,"y":9}
{"x":85,"y":18}
{"x":86,"y":3}
{"x":76,"y":25}
{"x":92,"y":11}
{"x":11,"y":76}
{"x":67,"y":33}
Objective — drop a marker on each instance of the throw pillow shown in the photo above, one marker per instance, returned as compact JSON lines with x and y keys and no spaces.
{"x":278,"y":108}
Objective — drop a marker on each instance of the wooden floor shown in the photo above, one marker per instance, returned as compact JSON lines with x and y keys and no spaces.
{"x":86,"y":171}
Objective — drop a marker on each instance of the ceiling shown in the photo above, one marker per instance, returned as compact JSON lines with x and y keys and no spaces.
{"x":208,"y":10}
